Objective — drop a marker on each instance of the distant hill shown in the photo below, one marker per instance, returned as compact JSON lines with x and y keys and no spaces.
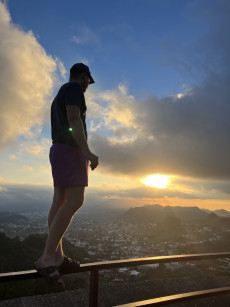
{"x":222,"y":213}
{"x":219,"y":212}
{"x":157,"y":213}
{"x":214,"y":220}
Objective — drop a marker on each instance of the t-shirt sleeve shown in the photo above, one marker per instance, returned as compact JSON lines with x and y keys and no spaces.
{"x":74,"y":96}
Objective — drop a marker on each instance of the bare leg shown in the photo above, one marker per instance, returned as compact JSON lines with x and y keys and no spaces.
{"x":58,"y":201}
{"x":60,"y":223}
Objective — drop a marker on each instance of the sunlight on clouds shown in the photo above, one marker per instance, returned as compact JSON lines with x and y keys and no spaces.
{"x":26,"y":81}
{"x":34,"y":132}
{"x":121,"y":140}
{"x":169,"y":135}
{"x":106,"y":181}
{"x":94,"y":127}
{"x":37,"y":149}
{"x":4,"y":13}
{"x":185,"y":94}
{"x":120,"y":108}
{"x":94,"y":110}
{"x":158,"y":181}
{"x":113,"y":110}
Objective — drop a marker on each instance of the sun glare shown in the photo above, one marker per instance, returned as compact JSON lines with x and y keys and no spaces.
{"x":157,"y":181}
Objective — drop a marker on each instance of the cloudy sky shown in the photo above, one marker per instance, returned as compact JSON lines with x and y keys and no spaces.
{"x":160,"y":104}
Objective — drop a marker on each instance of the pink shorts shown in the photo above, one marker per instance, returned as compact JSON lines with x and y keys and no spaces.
{"x":69,"y":166}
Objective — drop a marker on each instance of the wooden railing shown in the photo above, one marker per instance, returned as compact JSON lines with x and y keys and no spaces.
{"x":178,"y":298}
{"x":95,"y":267}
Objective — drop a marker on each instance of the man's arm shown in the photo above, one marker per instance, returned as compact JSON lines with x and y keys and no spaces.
{"x":75,"y":122}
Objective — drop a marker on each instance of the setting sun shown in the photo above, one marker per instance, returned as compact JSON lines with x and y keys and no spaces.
{"x":158,"y":181}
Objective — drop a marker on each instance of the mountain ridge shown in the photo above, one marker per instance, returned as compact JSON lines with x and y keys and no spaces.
{"x":219,"y":212}
{"x":157,"y":213}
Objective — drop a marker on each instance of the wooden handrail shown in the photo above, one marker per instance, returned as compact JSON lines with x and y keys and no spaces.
{"x":105,"y":265}
{"x":177,"y":298}
{"x":94,"y":267}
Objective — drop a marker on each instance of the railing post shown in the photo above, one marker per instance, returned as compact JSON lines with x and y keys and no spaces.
{"x":93,"y":288}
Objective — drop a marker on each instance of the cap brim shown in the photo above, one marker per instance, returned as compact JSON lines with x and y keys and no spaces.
{"x":91,"y":80}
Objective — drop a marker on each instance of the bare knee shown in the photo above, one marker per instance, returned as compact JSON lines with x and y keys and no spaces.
{"x":75,"y":196}
{"x":74,"y":206}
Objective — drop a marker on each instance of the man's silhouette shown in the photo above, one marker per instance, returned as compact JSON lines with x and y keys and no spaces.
{"x":69,"y":156}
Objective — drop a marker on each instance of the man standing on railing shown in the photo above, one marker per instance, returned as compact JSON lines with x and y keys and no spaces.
{"x":69,"y":156}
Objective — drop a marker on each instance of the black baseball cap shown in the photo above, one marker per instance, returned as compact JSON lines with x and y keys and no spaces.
{"x":84,"y":68}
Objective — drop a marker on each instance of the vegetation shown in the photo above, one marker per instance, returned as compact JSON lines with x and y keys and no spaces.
{"x":16,"y":255}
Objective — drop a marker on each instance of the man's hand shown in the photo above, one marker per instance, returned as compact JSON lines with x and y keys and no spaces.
{"x":75,"y":122}
{"x":92,"y":158}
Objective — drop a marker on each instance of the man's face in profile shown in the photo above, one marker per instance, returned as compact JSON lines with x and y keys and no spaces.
{"x":85,"y":81}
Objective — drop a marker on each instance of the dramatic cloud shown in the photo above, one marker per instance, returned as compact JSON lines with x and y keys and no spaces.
{"x":113,"y":110}
{"x":26,"y":81}
{"x":186,"y":134}
{"x":22,"y":198}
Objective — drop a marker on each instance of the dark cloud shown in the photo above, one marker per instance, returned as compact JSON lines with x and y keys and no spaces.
{"x":148,"y":192}
{"x":186,"y":135}
{"x":190,"y":136}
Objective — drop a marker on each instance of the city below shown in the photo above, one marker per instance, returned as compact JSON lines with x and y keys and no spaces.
{"x":114,"y":237}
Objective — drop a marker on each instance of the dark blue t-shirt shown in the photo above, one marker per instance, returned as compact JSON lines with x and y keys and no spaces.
{"x":69,"y":94}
